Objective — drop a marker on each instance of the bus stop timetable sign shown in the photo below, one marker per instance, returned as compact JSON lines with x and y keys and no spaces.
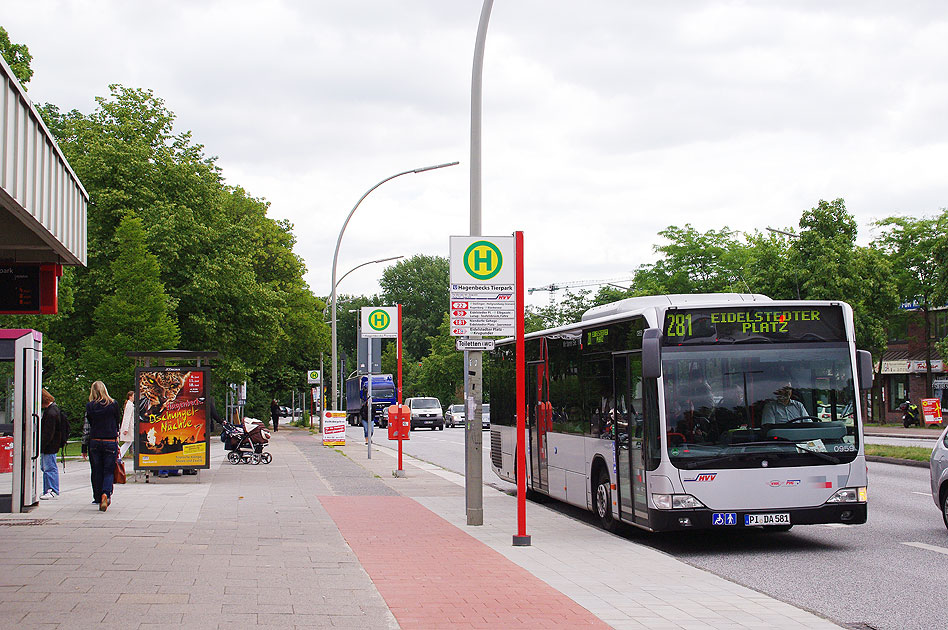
{"x":483,"y":276}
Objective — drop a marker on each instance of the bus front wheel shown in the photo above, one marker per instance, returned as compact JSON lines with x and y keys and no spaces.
{"x":604,"y":502}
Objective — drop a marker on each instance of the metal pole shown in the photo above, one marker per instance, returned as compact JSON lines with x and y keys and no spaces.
{"x":473,"y":462}
{"x":368,"y":398}
{"x":335,"y":259}
{"x":521,"y":539}
{"x":400,"y":472}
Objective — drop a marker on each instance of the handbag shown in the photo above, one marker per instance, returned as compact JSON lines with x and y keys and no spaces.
{"x":119,"y":476}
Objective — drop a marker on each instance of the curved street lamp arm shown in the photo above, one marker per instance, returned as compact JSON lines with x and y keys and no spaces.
{"x":335,"y":259}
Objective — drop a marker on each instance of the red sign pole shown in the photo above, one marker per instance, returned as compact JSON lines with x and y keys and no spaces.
{"x":521,"y":539}
{"x":400,"y":472}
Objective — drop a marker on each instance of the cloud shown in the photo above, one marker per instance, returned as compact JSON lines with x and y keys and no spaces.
{"x":603,"y":123}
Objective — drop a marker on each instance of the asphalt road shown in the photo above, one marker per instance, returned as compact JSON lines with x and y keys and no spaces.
{"x":885,"y":575}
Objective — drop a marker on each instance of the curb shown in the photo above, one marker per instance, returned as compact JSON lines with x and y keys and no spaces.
{"x":903,"y":436}
{"x":896,"y":460}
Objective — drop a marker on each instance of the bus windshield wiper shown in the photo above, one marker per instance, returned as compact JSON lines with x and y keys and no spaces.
{"x":783,"y":440}
{"x":702,"y":463}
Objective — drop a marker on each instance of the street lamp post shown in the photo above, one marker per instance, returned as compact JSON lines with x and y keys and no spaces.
{"x":335,"y":259}
{"x":338,"y":282}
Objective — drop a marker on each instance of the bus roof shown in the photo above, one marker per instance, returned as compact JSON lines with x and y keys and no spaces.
{"x":633,"y":304}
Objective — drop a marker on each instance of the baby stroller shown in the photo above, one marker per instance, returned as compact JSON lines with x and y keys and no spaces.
{"x":245,"y":444}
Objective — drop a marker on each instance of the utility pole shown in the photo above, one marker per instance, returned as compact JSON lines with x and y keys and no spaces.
{"x":473,"y":365}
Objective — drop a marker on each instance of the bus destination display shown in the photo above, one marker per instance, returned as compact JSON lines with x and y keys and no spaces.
{"x":753,"y":323}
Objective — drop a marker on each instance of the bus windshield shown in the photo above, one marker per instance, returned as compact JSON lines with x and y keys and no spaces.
{"x":737,"y":406}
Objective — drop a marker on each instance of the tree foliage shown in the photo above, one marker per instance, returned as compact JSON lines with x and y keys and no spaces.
{"x":202,"y":265}
{"x":420,"y":285}
{"x":17,"y":56}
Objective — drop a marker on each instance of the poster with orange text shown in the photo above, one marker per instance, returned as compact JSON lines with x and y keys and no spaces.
{"x":172,"y":418}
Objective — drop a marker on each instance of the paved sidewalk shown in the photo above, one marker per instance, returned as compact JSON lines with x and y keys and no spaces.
{"x":325,"y":538}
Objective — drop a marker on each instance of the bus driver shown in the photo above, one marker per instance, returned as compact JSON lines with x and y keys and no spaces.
{"x":784,"y":408}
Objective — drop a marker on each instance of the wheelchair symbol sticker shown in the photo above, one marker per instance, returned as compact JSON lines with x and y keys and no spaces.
{"x":724,"y":518}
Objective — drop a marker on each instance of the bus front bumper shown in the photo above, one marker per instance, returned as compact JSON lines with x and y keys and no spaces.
{"x":680,"y":520}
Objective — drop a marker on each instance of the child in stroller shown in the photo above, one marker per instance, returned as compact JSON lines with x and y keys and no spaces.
{"x":245,"y":444}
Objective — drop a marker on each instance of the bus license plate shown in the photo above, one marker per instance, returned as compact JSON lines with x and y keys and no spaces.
{"x":751,"y":520}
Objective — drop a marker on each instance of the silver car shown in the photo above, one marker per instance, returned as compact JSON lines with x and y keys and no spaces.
{"x":454,"y":416}
{"x":939,"y":470}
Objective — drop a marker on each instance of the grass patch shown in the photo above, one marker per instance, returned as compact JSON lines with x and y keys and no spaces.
{"x":916,"y":453}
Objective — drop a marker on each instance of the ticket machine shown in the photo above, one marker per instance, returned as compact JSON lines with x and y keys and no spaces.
{"x":21,"y":385}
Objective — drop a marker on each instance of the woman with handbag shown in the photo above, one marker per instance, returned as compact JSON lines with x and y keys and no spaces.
{"x":103,"y":418}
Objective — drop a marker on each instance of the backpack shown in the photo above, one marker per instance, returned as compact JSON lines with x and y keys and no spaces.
{"x":62,"y":428}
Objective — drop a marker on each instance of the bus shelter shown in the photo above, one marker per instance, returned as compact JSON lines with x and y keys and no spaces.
{"x":173,"y":409}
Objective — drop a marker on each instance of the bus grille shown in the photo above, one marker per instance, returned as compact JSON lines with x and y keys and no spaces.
{"x":496,"y":458}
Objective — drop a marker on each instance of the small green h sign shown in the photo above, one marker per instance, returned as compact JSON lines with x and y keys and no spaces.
{"x":379,"y":320}
{"x":483,"y":260}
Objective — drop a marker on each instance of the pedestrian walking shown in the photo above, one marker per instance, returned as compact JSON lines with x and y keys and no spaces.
{"x":274,"y":413}
{"x":128,"y":424}
{"x":100,"y":442}
{"x":51,"y":441}
{"x":367,"y":427}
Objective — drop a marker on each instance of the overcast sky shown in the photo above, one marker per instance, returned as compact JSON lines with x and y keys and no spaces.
{"x":604,"y":121}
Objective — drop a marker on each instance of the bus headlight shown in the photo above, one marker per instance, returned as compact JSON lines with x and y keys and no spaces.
{"x":676,"y":502}
{"x":849,"y":495}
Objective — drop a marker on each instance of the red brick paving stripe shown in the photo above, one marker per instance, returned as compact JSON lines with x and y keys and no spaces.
{"x":433,"y":575}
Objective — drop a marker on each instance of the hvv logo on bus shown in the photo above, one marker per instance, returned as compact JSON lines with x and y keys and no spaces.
{"x":704,"y":477}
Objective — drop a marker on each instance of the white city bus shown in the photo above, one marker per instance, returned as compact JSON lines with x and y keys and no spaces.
{"x":692,"y":411}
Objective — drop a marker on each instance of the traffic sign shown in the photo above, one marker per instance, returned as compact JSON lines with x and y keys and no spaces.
{"x":483,"y":275}
{"x":379,"y":321}
{"x":312,"y":377}
{"x":474,"y":344}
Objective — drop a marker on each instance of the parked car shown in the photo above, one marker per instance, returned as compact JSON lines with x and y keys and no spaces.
{"x":485,"y":416}
{"x":939,"y":471}
{"x":454,"y":416}
{"x":426,"y":412}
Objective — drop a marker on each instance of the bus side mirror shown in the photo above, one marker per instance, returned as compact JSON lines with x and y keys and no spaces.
{"x":652,"y":353}
{"x":864,"y":368}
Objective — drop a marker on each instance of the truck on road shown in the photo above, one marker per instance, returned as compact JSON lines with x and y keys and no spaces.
{"x":383,"y":396}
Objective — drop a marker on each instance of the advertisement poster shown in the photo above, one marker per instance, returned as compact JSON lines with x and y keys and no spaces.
{"x":334,"y":428}
{"x":172,"y":420}
{"x":931,"y":410}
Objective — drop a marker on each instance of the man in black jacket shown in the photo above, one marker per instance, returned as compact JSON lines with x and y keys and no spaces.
{"x":49,"y":445}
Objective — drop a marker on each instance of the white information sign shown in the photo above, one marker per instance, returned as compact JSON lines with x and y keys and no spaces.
{"x":483,"y":275}
{"x":312,"y":377}
{"x":474,"y":344}
{"x":379,"y":321}
{"x":334,"y":428}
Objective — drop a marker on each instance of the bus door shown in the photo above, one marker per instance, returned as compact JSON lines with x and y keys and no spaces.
{"x":628,"y":425}
{"x":539,"y":417}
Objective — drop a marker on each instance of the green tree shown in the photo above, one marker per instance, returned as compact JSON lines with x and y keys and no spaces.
{"x":692,"y":262}
{"x":137,"y":315}
{"x":912,"y":245}
{"x":420,"y":285}
{"x":234,"y":282}
{"x":441,"y":373}
{"x":17,"y":56}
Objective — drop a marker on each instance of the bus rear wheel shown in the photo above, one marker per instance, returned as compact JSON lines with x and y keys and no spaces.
{"x":603,"y":499}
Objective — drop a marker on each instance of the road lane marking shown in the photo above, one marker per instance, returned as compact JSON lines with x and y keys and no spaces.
{"x":927,"y":547}
{"x":924,"y":494}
